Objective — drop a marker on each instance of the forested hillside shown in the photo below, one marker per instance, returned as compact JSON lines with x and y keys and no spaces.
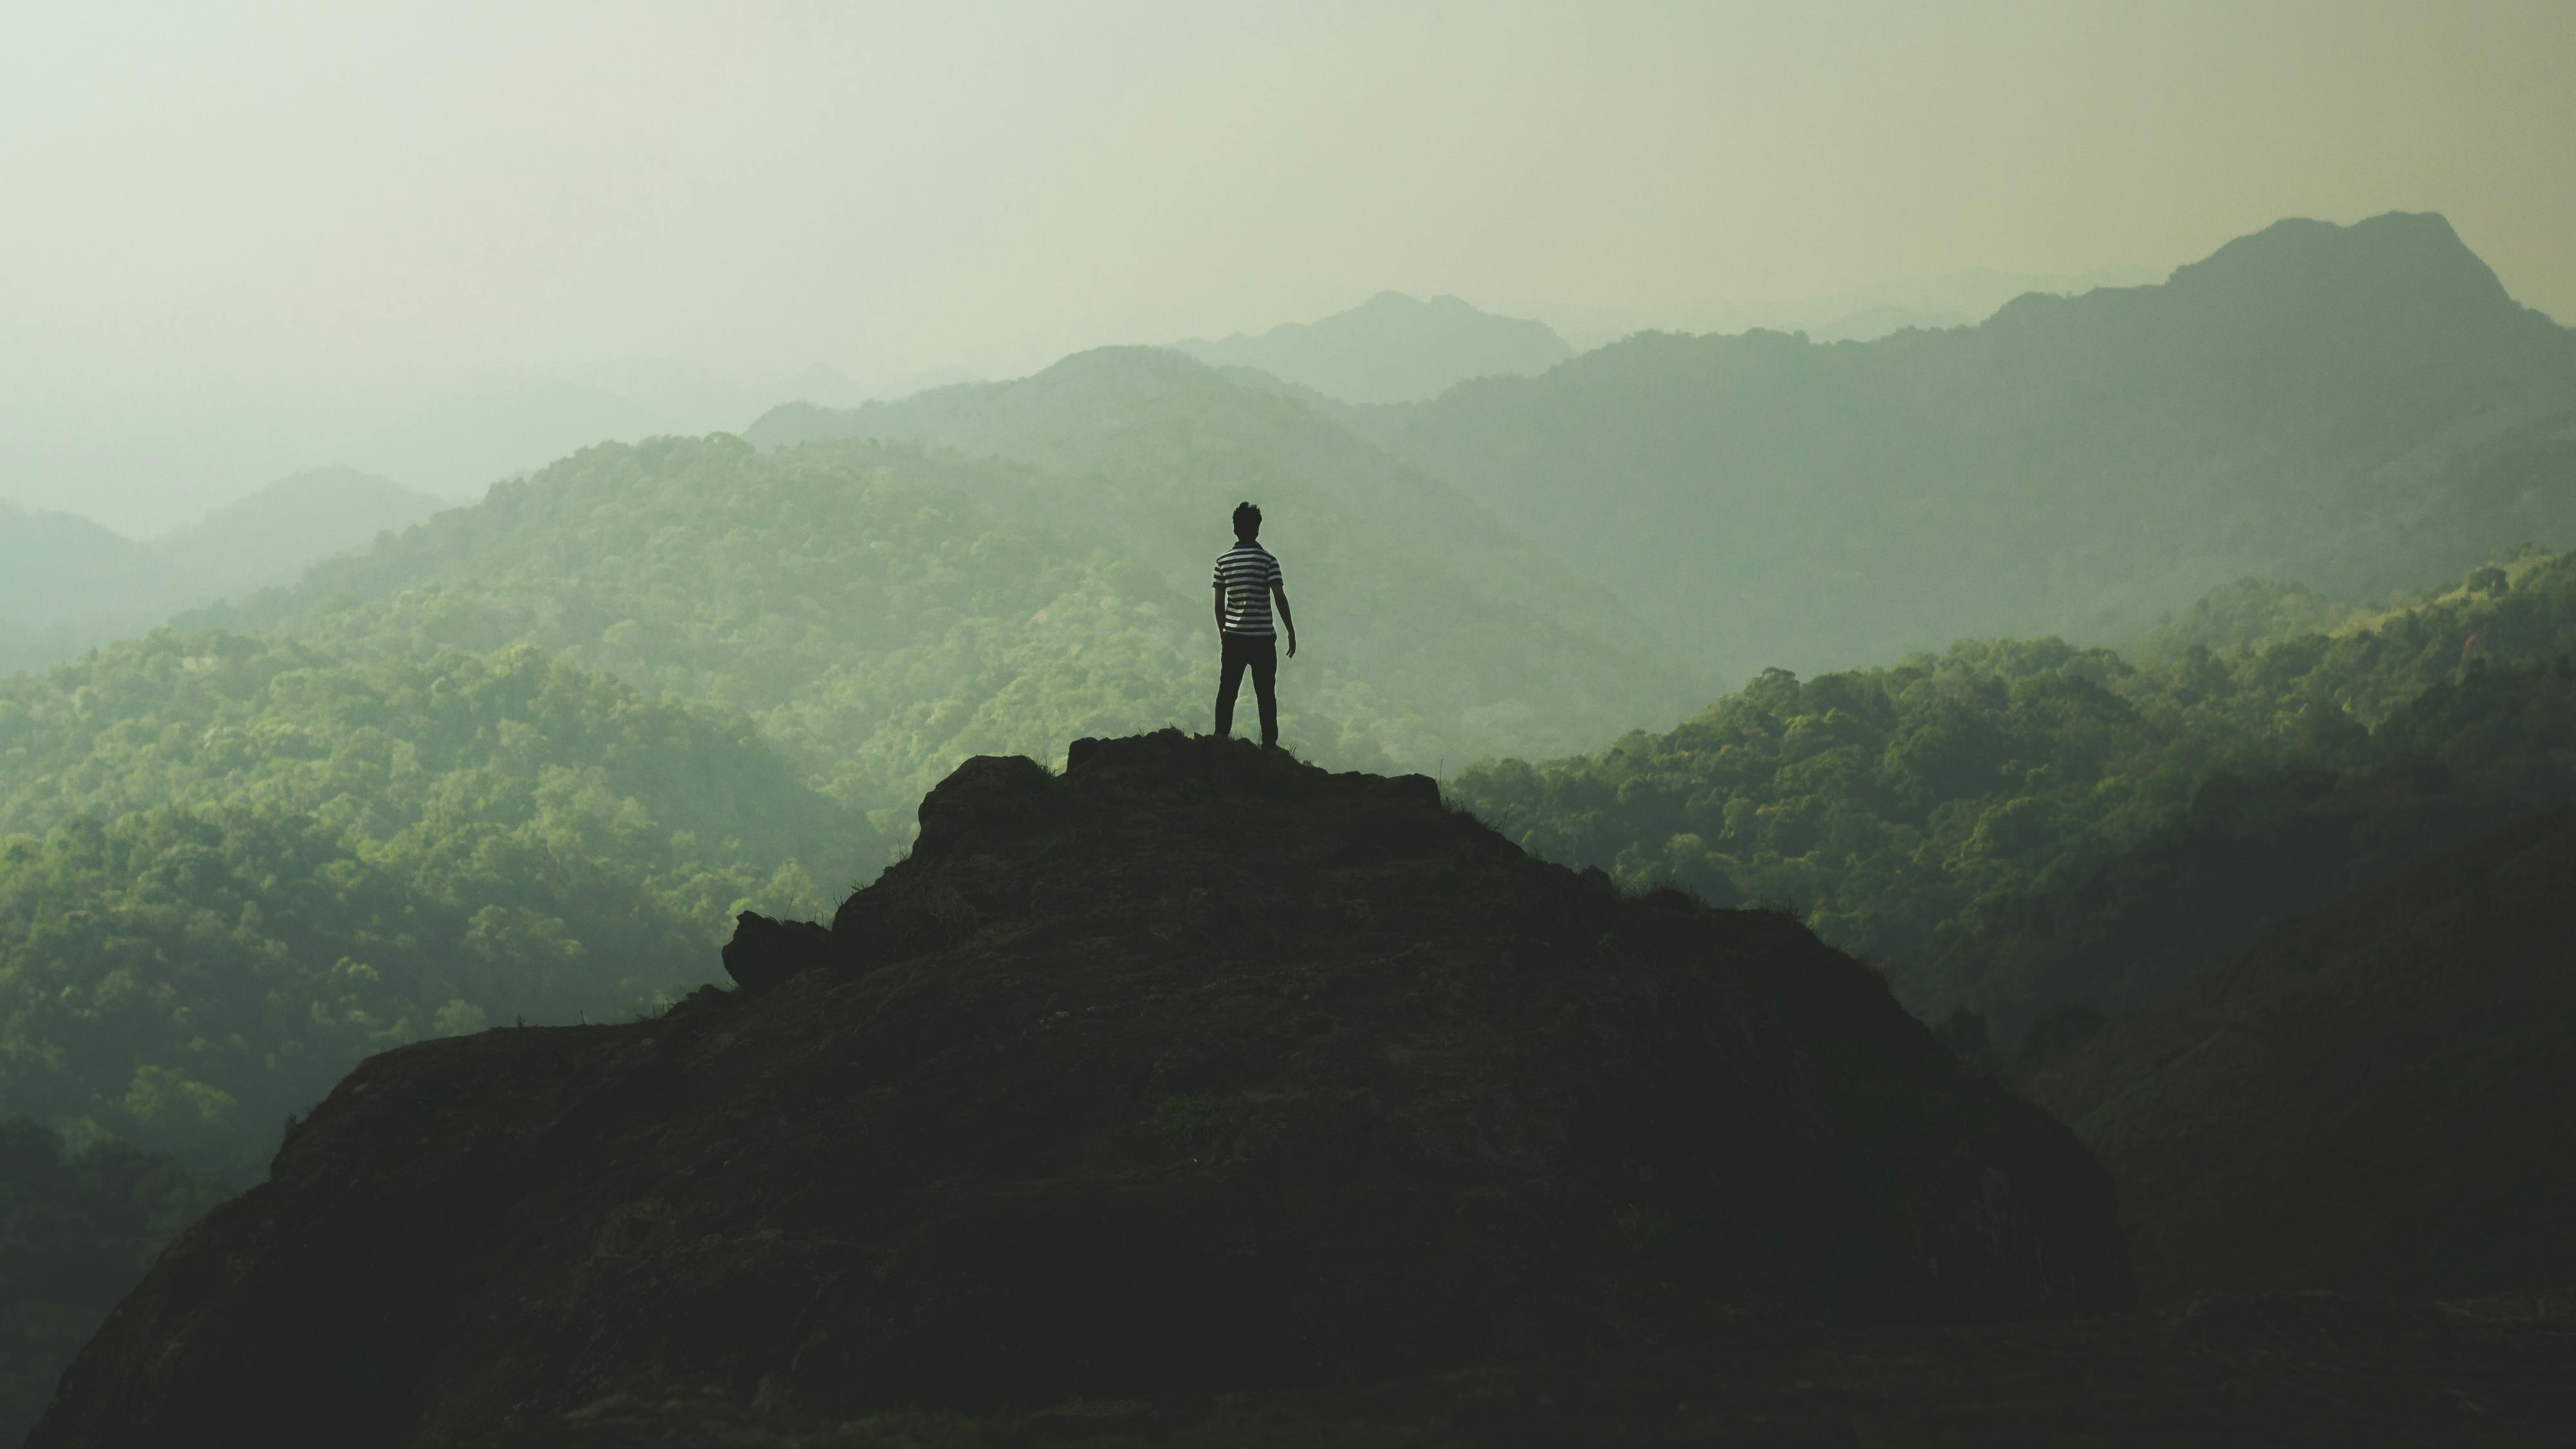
{"x":524,"y":761}
{"x":230,"y":868}
{"x":1904,"y":808}
{"x":1158,"y":448}
{"x":2357,"y":409}
{"x":884,"y":612}
{"x":2254,"y":849}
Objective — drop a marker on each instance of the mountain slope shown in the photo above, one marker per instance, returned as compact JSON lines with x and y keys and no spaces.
{"x":1158,"y":449}
{"x":67,"y":584}
{"x":277,"y":533}
{"x":1043,"y":1119}
{"x":2376,"y":1096}
{"x":1905,"y":809}
{"x":2253,"y":849}
{"x":1390,"y":348}
{"x":230,"y":867}
{"x":2074,"y":465}
{"x":886,"y":611}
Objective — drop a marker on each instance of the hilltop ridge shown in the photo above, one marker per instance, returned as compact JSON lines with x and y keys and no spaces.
{"x":1390,"y":348}
{"x":68,"y":584}
{"x":1193,"y":1068}
{"x":2356,"y":408}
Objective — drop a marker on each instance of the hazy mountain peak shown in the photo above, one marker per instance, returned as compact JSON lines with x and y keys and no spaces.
{"x":2398,"y":255}
{"x":1391,"y":348}
{"x":58,"y":565}
{"x":1124,"y":364}
{"x":339,"y":491}
{"x":286,"y":527}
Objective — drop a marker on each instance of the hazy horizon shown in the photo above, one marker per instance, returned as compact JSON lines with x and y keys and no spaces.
{"x":274,"y":237}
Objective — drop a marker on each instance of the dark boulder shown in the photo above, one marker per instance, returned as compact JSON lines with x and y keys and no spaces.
{"x":988,"y":796}
{"x":764,"y":952}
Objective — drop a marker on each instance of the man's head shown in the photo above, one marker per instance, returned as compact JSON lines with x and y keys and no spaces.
{"x":1247,"y":522}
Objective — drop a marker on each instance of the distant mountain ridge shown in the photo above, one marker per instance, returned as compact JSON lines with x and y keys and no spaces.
{"x":1391,"y":348}
{"x":1949,"y":299}
{"x":2313,"y":402}
{"x":2355,"y":409}
{"x":67,"y":584}
{"x":885,"y":606}
{"x":275,"y":534}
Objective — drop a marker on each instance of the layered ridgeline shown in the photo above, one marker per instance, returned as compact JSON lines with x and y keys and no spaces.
{"x":230,"y":868}
{"x":2354,"y":408}
{"x":1391,"y":348}
{"x":67,"y":584}
{"x":1908,"y":808}
{"x":1149,"y":447}
{"x":884,"y":611}
{"x":1447,"y":615}
{"x":1193,"y":1069}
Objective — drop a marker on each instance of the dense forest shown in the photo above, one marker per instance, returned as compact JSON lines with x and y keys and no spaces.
{"x":229,"y":868}
{"x":1907,"y":809}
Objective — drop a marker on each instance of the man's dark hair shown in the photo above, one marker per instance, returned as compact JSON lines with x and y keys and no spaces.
{"x":1247,"y":520}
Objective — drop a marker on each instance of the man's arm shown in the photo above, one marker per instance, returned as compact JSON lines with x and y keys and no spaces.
{"x":1279,"y":596}
{"x":1220,"y":608}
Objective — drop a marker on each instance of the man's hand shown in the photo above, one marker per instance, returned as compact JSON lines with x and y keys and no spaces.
{"x":1292,"y":643}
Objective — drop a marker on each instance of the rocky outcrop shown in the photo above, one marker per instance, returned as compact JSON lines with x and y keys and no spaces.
{"x":764,"y":952}
{"x":1192,"y":1069}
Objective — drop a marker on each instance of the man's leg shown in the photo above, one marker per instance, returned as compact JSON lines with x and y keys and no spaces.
{"x":1265,"y":686}
{"x":1229,"y":679}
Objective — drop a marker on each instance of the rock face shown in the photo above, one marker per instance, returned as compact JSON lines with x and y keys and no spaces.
{"x":1192,"y":1069}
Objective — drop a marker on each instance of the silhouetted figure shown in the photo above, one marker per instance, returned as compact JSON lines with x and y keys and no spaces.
{"x":1247,"y":581}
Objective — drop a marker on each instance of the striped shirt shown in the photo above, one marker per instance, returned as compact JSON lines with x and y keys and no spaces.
{"x":1247,"y":573}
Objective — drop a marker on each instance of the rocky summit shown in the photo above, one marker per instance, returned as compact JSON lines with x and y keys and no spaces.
{"x":1193,"y":1069}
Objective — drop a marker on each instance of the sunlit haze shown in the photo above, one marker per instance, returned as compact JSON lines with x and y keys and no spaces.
{"x":245,"y":239}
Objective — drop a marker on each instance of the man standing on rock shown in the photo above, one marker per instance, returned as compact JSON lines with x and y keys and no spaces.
{"x":1247,"y":580}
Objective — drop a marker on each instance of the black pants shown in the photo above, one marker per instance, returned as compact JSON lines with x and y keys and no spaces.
{"x":1259,"y":653}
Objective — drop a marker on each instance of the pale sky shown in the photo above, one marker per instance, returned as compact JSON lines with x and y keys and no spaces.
{"x":241,"y":236}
